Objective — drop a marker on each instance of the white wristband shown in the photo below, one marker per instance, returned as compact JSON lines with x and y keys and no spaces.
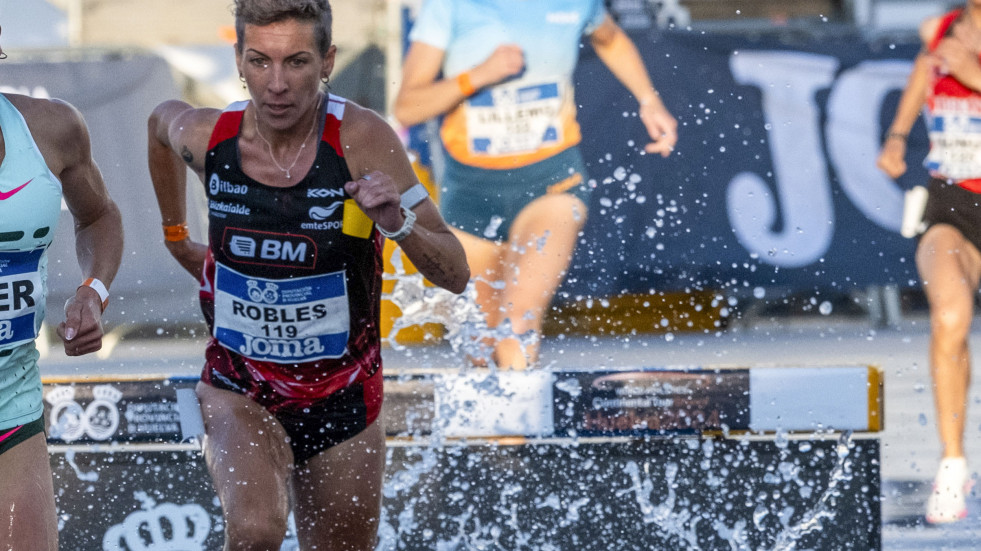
{"x":414,"y":195}
{"x":403,"y":232}
{"x":100,"y":288}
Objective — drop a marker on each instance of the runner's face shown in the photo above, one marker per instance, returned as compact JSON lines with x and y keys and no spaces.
{"x":282,"y":68}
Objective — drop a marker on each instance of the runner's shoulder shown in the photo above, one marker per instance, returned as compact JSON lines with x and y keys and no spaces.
{"x":929,"y":28}
{"x":49,"y":118}
{"x":183,"y":127}
{"x":57,"y":128}
{"x":195,"y":121}
{"x":362,"y":126}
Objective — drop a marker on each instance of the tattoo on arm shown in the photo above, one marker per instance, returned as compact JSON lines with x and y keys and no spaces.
{"x":434,"y":263}
{"x":187,"y":155}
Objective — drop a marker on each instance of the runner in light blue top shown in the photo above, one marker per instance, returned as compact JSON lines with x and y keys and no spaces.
{"x":44,"y":157}
{"x":531,"y":115}
{"x":30,"y":204}
{"x":515,"y":185}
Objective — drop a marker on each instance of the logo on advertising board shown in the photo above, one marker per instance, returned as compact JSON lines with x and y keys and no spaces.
{"x":651,"y":401}
{"x":69,"y":421}
{"x":159,"y":418}
{"x":155,"y":529}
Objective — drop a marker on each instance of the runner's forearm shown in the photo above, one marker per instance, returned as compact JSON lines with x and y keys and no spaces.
{"x":438,"y":255}
{"x":99,"y":245}
{"x":419,"y":104}
{"x":911,"y":101}
{"x":621,"y":56}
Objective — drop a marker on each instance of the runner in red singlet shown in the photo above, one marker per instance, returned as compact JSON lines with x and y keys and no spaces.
{"x":946,"y":78}
{"x":301,"y":186}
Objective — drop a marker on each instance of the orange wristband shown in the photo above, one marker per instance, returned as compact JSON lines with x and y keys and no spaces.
{"x":100,"y":288}
{"x":177,"y":232}
{"x":463,"y":82}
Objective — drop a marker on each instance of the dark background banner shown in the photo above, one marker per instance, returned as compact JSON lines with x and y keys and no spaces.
{"x":773,"y":182}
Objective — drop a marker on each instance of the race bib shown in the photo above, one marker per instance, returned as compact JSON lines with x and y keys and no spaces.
{"x":955,"y":145}
{"x":21,"y":297}
{"x":512,"y":119}
{"x":282,"y":320}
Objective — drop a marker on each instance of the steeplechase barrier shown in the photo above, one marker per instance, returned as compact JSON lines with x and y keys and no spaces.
{"x":613,"y":459}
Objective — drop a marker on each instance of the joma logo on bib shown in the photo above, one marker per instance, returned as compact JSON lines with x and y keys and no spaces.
{"x":271,"y":249}
{"x":281,"y":348}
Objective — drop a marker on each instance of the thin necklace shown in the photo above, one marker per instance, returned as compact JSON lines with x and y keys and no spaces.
{"x":316,"y":115}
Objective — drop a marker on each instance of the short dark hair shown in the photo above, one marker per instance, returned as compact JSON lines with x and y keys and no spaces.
{"x":266,"y":12}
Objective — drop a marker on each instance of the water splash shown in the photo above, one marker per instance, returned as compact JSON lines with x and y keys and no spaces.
{"x":452,"y":497}
{"x":665,"y":516}
{"x":683,"y":524}
{"x":90,"y":476}
{"x":403,"y":485}
{"x":813,"y":518}
{"x":465,"y":325}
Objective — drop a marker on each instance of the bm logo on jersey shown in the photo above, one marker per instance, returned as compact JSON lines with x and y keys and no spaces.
{"x":269,"y":248}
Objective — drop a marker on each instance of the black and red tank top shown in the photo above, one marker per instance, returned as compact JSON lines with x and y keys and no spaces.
{"x":292,"y":280}
{"x":953,"y":122}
